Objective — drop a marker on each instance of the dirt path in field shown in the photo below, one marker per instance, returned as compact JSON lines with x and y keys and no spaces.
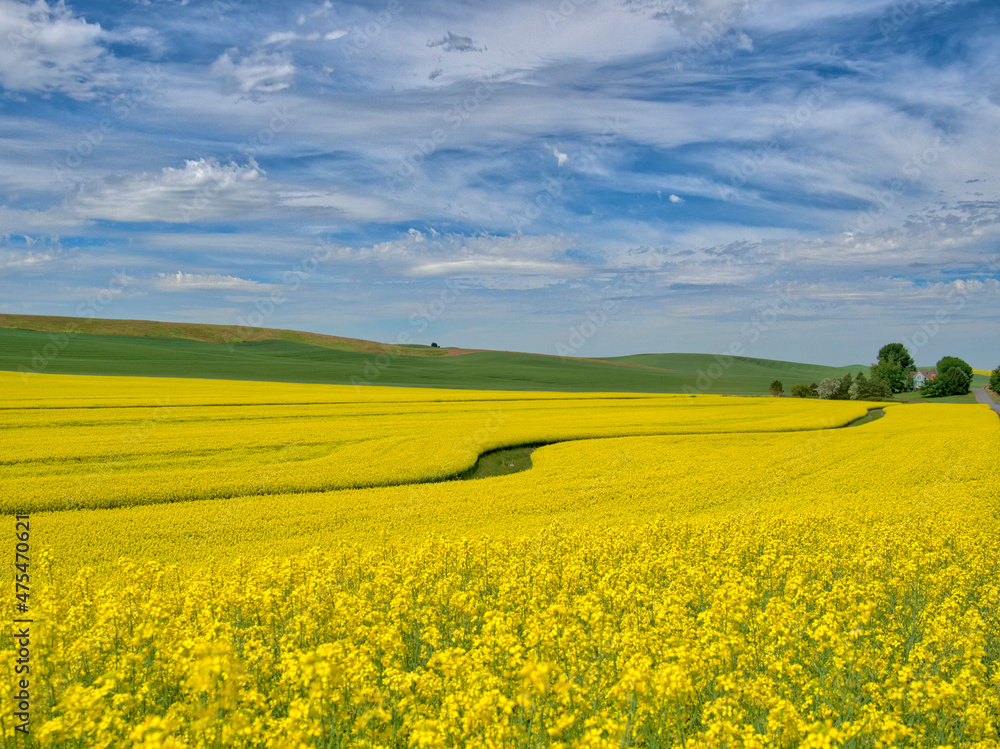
{"x":868,"y":418}
{"x":983,"y":397}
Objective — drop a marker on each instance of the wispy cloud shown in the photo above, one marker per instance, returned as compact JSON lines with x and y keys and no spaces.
{"x":262,"y":71}
{"x":201,"y":189}
{"x":533,"y":154}
{"x":181,"y":281}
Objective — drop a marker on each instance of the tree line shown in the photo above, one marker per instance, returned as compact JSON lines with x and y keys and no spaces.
{"x":893,"y":372}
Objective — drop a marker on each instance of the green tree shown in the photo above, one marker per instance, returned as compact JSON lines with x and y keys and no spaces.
{"x":995,"y":380}
{"x":947,"y":362}
{"x":801,"y":390}
{"x":845,"y":387}
{"x":865,"y":389}
{"x":952,"y":380}
{"x":899,"y":379}
{"x":895,"y":366}
{"x":776,"y":388}
{"x":896,"y":352}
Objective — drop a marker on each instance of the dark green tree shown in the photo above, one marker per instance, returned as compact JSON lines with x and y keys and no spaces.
{"x":896,"y":352}
{"x":899,"y":379}
{"x":951,"y":381}
{"x":801,"y":390}
{"x":865,"y":389}
{"x":776,"y":388}
{"x":845,"y":387}
{"x":947,"y":362}
{"x":895,"y":366}
{"x":995,"y":380}
{"x":954,"y":381}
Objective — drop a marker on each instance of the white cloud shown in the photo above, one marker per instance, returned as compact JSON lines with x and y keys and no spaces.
{"x":206,"y":190}
{"x":482,"y":259}
{"x":342,"y":203}
{"x":12,"y":261}
{"x":489,"y":266}
{"x":561,"y":158}
{"x":266,"y":72}
{"x":181,"y":281}
{"x":676,"y":199}
{"x":281,"y":38}
{"x":202,"y":189}
{"x":46,"y":49}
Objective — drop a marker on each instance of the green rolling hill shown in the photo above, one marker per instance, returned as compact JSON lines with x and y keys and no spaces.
{"x":143,"y":348}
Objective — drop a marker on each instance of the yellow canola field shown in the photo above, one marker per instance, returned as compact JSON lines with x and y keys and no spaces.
{"x":107,"y":443}
{"x":834,"y":588}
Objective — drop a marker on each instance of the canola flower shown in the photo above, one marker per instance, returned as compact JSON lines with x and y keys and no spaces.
{"x":759,"y":588}
{"x":752,"y":632}
{"x":188,"y":440}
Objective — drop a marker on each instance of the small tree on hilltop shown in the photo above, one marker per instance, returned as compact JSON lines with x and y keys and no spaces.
{"x":776,"y":388}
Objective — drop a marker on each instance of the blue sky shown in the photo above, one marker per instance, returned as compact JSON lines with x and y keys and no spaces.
{"x":796,"y":180}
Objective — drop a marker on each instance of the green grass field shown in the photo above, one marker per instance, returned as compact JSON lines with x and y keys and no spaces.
{"x":157,"y":349}
{"x":294,"y":361}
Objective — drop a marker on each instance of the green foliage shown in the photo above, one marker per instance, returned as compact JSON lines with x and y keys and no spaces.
{"x":895,"y":366}
{"x":947,"y":362}
{"x":899,"y":379}
{"x":801,"y":390}
{"x":953,"y":381}
{"x":833,"y":389}
{"x":829,"y":388}
{"x":865,"y":389}
{"x":845,"y":387}
{"x":897,"y":353}
{"x":777,"y":388}
{"x":995,"y":380}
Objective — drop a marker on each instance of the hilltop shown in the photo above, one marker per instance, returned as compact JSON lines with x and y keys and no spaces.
{"x":69,"y":345}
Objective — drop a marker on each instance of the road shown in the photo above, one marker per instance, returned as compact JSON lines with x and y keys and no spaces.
{"x":983,"y":397}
